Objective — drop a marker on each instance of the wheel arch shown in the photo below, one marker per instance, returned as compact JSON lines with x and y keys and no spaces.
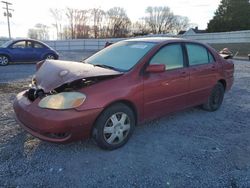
{"x":224,"y":83}
{"x":7,"y":55}
{"x":128,"y":103}
{"x":49,"y":53}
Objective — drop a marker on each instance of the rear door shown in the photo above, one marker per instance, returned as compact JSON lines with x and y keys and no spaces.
{"x":203,"y":73}
{"x":166,"y":92}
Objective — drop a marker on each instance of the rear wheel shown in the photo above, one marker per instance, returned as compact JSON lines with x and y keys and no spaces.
{"x":4,"y":60}
{"x":114,"y":127}
{"x":215,"y":99}
{"x":50,"y":56}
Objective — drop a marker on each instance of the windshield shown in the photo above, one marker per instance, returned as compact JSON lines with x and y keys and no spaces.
{"x":121,"y":56}
{"x":6,"y":44}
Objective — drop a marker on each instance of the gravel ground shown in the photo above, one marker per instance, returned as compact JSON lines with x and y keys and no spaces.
{"x":192,"y":148}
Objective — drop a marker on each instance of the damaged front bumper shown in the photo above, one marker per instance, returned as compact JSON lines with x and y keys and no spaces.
{"x":60,"y":126}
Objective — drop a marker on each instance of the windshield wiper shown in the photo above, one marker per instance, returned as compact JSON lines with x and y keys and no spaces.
{"x":105,"y":66}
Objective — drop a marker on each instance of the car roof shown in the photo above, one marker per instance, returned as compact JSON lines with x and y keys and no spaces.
{"x":20,"y":39}
{"x":28,"y":39}
{"x":164,"y":40}
{"x":157,"y":39}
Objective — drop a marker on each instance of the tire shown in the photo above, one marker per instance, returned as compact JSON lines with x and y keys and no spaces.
{"x":50,"y":56}
{"x":114,"y":127}
{"x":215,"y":99}
{"x":4,"y":60}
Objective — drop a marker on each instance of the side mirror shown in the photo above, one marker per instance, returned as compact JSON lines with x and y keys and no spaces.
{"x":108,"y":44}
{"x":156,"y":68}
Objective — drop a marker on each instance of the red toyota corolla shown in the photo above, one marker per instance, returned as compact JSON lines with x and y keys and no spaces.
{"x":122,"y":85}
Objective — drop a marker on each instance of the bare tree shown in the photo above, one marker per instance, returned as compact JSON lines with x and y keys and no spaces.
{"x":118,"y":23}
{"x":159,"y":19}
{"x":78,"y":23}
{"x":33,"y":34}
{"x":181,"y":23}
{"x":81,"y":27}
{"x":97,"y":17}
{"x":57,"y":15}
{"x":91,"y":23}
{"x":43,"y":31}
{"x":140,"y":27}
{"x":66,"y":33}
{"x":70,"y":13}
{"x":40,"y":32}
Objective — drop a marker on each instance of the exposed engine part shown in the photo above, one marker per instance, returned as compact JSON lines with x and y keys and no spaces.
{"x":34,"y":93}
{"x":80,"y":84}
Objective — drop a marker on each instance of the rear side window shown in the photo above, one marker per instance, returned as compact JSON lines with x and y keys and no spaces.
{"x":170,"y":55}
{"x":198,"y":55}
{"x":38,"y":45}
{"x":211,"y":57}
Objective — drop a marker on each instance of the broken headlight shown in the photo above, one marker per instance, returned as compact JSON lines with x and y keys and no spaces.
{"x":63,"y":100}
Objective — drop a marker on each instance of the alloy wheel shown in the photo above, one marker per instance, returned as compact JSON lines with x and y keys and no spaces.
{"x":4,"y":60}
{"x":50,"y":57}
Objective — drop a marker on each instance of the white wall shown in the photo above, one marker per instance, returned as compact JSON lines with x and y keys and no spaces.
{"x":220,"y":38}
{"x":97,"y":44}
{"x":80,"y":44}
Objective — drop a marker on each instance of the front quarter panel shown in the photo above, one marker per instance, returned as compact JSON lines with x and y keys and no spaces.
{"x":122,"y":88}
{"x":6,"y":51}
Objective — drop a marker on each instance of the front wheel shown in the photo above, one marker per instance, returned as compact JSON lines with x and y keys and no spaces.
{"x":215,"y":99}
{"x":4,"y":60}
{"x":114,"y":127}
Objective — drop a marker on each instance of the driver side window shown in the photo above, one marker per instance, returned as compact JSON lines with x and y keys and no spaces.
{"x":20,"y":44}
{"x":170,"y":55}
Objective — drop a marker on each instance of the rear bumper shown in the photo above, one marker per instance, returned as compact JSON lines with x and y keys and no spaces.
{"x":47,"y":124}
{"x":229,"y":82}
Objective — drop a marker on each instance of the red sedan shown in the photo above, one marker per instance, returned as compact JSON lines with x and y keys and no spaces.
{"x":127,"y":83}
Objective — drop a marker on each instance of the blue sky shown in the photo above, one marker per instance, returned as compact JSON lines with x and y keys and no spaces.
{"x":29,"y":12}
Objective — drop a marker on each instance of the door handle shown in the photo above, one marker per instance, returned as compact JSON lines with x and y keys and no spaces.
{"x":213,"y":67}
{"x":183,"y":74}
{"x":194,"y":69}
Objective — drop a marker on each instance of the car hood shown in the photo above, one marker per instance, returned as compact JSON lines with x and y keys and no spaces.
{"x":54,"y":73}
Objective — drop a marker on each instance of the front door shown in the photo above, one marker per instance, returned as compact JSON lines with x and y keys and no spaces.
{"x":22,"y":51}
{"x":167,"y":91}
